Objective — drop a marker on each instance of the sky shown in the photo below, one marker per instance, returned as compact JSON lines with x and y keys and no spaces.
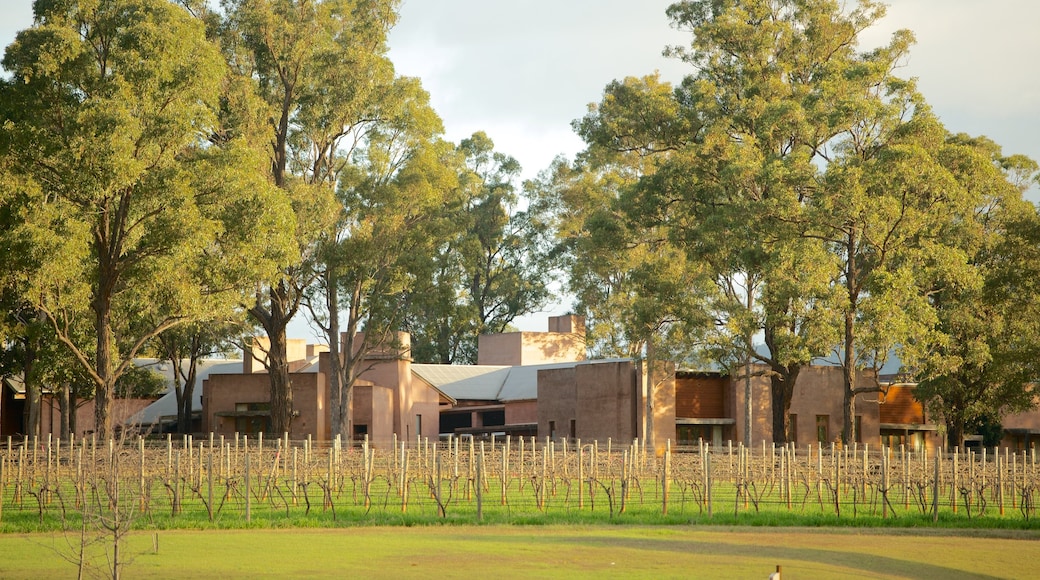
{"x":522,"y":71}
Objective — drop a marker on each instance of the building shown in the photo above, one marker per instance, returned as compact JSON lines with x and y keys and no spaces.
{"x":540,"y":384}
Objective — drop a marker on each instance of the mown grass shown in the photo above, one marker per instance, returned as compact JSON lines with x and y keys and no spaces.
{"x":549,"y":551}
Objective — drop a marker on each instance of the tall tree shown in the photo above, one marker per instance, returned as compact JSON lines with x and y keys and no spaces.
{"x":494,"y":269}
{"x":108,"y":112}
{"x":396,"y":179}
{"x":988,"y":315}
{"x":315,"y":65}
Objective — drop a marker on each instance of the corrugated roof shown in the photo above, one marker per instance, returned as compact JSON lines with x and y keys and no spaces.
{"x":470,"y":382}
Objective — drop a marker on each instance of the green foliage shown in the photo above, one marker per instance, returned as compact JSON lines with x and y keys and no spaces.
{"x":140,"y":382}
{"x":127,"y":219}
{"x":489,"y":265}
{"x":988,"y":315}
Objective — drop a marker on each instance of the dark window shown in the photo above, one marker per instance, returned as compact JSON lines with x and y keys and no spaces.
{"x":493,"y":418}
{"x":823,"y":429}
{"x":792,"y":428}
{"x":449,"y":422}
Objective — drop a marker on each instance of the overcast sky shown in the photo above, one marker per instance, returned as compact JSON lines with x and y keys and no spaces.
{"x":522,"y":71}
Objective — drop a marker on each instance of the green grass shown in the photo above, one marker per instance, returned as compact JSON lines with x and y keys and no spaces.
{"x":547,"y":552}
{"x":642,"y":508}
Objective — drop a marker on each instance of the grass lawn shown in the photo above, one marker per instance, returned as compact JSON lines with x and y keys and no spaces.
{"x":475,"y":552}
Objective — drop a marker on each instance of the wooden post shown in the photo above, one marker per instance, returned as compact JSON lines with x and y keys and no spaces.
{"x":480,"y":485}
{"x":140,"y":448}
{"x":1000,"y":482}
{"x":581,"y":476}
{"x":666,"y":473}
{"x":505,"y":472}
{"x":295,"y":478}
{"x":521,"y":482}
{"x":884,"y":482}
{"x":402,"y":476}
{"x":209,"y":483}
{"x":177,"y":484}
{"x":437,"y":487}
{"x":707,"y":477}
{"x":249,"y":515}
{"x":935,"y":489}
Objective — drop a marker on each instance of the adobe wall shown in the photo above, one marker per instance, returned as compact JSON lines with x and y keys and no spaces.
{"x":529,"y":348}
{"x":221,"y":393}
{"x":521,"y":412}
{"x":607,"y":402}
{"x":664,"y":402}
{"x":819,"y":390}
{"x":557,"y":401}
{"x":255,"y":353}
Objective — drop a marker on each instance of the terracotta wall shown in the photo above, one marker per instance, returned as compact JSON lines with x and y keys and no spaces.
{"x":818,"y":393}
{"x":521,"y":412}
{"x":529,"y":348}
{"x":221,"y":394}
{"x":601,"y":398}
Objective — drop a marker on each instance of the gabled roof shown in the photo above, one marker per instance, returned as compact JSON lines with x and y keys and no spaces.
{"x":466,"y":382}
{"x":488,"y":382}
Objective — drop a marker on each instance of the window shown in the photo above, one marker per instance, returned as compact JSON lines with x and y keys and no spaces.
{"x":858,"y":426}
{"x":574,"y":428}
{"x":823,"y":428}
{"x":418,"y":425}
{"x":792,"y":428}
{"x":493,"y":418}
{"x":552,"y":429}
{"x":360,"y":431}
{"x":252,"y":418}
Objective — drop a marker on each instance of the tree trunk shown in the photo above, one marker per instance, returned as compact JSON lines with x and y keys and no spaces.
{"x":848,"y":434}
{"x":104,"y":386}
{"x":339,"y":424}
{"x":781,"y":386}
{"x":849,"y":356}
{"x":281,"y":385}
{"x":33,"y":395}
{"x":63,"y":410}
{"x":956,"y":431}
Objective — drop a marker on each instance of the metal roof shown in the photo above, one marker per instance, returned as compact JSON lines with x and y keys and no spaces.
{"x":468,"y":382}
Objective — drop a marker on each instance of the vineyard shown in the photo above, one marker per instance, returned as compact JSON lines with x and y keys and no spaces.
{"x":234,"y":482}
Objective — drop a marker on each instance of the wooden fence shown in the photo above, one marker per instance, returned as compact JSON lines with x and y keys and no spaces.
{"x":507,"y":478}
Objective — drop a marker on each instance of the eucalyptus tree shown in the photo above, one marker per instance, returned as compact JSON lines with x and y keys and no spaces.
{"x":123,"y":204}
{"x":640,"y":294}
{"x":396,"y":178}
{"x":493,"y":267}
{"x":989,"y":315}
{"x":743,"y":144}
{"x":317,"y":67}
